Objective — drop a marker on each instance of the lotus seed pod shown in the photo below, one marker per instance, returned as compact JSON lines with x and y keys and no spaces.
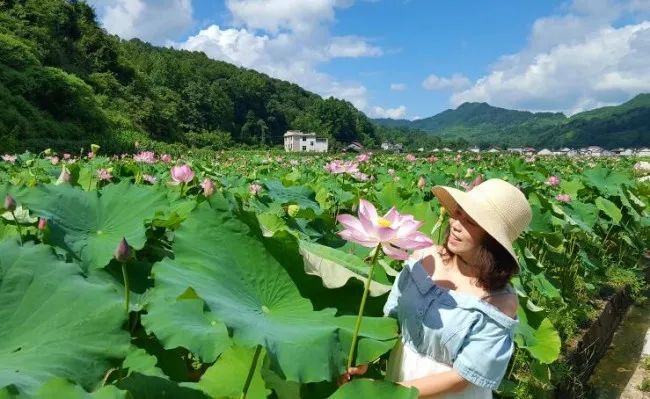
{"x":10,"y":203}
{"x":94,"y":148}
{"x":292,"y":210}
{"x":123,"y":251}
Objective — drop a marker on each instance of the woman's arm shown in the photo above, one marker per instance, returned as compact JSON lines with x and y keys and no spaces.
{"x":437,"y":384}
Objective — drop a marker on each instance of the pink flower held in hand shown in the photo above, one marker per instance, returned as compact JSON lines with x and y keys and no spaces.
{"x":208,"y":187}
{"x":553,"y":181}
{"x":563,"y":198}
{"x":394,"y":232}
{"x":182,"y":174}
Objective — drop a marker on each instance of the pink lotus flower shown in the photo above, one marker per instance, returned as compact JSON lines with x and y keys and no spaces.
{"x":411,"y":158}
{"x":432,"y":159}
{"x":566,"y":198}
{"x":182,"y":174}
{"x":208,"y":187}
{"x":360,"y":176}
{"x":9,"y":158}
{"x":104,"y":174}
{"x":145,"y":157}
{"x":254,"y":188}
{"x":91,"y":155}
{"x":66,"y":156}
{"x":149,"y":179}
{"x":54,"y":160}
{"x":553,"y":181}
{"x":337,"y":167}
{"x":421,"y":182}
{"x":394,"y":232}
{"x":166,"y":158}
{"x":363,"y":157}
{"x":42,"y":224}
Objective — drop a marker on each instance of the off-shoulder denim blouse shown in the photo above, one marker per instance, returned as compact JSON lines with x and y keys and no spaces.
{"x":457,"y":329}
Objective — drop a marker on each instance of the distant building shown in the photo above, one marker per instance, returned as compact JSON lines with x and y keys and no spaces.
{"x":517,"y":150}
{"x":626,"y":152}
{"x":296,"y":141}
{"x":643,"y":152}
{"x":545,"y":151}
{"x":494,"y":150}
{"x":354,"y":146}
{"x":475,"y":149}
{"x":396,"y":147}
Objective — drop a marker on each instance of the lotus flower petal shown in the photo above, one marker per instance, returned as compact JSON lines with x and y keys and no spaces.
{"x":393,"y":252}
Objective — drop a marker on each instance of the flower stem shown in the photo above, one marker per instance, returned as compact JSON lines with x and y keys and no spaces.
{"x":126,"y":288}
{"x":182,"y":187}
{"x":251,"y":371}
{"x":20,"y":231}
{"x":366,"y":289}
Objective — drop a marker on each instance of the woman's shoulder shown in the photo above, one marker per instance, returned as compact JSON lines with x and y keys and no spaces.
{"x":507,"y":303}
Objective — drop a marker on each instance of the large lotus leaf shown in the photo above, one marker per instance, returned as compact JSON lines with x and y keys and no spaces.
{"x":150,"y":387}
{"x":90,"y":224}
{"x":298,"y":195}
{"x":184,"y":323}
{"x":336,"y":267}
{"x":227,"y":376}
{"x":139,"y":361}
{"x":55,"y":323}
{"x":541,"y":341}
{"x":609,"y":208}
{"x":365,"y":388}
{"x":227,"y":265}
{"x":607,"y":181}
{"x":61,"y":388}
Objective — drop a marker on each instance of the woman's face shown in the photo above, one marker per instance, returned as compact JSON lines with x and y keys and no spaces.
{"x":465,"y":236}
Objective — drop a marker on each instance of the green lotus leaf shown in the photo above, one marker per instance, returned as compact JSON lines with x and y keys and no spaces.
{"x":541,"y":341}
{"x":139,"y":361}
{"x":55,"y":322}
{"x":366,"y":388}
{"x":299,"y":195}
{"x":91,"y":224}
{"x":607,"y":181}
{"x":227,"y":376}
{"x":336,"y":267}
{"x":184,"y":323}
{"x":150,"y":387}
{"x":61,"y":388}
{"x":226,"y":263}
{"x":609,"y":208}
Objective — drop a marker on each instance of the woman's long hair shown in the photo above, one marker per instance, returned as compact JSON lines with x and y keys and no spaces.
{"x":494,"y":265}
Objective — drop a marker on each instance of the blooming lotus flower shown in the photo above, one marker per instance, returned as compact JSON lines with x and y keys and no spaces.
{"x":432,"y":159}
{"x":363,"y":157}
{"x":254,"y":188}
{"x":145,"y":157}
{"x":208,"y":187}
{"x":9,"y":158}
{"x":66,"y":156}
{"x":104,"y":174}
{"x":54,"y":160}
{"x":182,"y":174}
{"x":394,"y":232}
{"x":411,"y":158}
{"x":360,"y":176}
{"x":566,"y":198}
{"x":149,"y":179}
{"x":553,"y":181}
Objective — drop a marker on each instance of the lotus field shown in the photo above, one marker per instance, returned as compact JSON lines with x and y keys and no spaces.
{"x":240,"y":275}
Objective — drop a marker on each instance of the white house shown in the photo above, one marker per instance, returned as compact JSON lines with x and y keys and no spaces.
{"x":295,"y":141}
{"x":544,"y":151}
{"x":643,"y":152}
{"x":475,"y":149}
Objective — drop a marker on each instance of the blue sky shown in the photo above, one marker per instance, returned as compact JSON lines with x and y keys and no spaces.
{"x":415,"y":58}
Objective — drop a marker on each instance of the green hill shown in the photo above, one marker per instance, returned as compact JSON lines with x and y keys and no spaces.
{"x":625,"y":125}
{"x":65,"y":82}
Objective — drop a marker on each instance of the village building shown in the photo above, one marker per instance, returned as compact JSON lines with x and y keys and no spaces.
{"x":296,"y":141}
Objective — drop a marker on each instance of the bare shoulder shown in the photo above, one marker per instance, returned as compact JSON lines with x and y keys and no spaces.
{"x":424,"y":252}
{"x":507,"y":304}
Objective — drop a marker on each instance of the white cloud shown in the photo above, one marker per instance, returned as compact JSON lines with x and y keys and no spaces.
{"x":151,"y":20}
{"x":572,"y":62}
{"x":287,"y":39}
{"x":393,"y":113}
{"x":398,"y":86}
{"x":457,"y":81}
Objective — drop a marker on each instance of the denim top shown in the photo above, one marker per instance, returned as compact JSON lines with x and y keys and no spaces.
{"x":460,"y":330}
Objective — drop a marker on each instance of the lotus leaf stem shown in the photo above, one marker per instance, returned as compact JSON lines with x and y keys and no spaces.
{"x":251,"y":371}
{"x":366,"y":289}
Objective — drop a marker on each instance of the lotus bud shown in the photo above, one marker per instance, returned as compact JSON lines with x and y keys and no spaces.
{"x":421,"y":182}
{"x":10,"y":203}
{"x":42,"y":224}
{"x":123,"y":251}
{"x":292,"y":210}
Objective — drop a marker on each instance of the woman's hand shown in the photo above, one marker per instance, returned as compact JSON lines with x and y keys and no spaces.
{"x":347,"y":376}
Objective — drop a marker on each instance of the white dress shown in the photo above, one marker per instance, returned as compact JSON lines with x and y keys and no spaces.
{"x":405,"y":364}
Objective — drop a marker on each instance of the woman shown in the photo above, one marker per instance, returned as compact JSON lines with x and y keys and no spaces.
{"x":456,"y":310}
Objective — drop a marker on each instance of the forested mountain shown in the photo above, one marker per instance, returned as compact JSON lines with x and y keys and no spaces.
{"x":65,"y":82}
{"x":625,"y":125}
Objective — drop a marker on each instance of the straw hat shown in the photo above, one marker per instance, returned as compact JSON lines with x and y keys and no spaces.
{"x":500,"y":208}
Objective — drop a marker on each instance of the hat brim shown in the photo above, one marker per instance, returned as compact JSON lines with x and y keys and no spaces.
{"x":450,"y":198}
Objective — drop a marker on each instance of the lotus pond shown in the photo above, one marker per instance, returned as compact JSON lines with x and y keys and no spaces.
{"x":223,"y":276}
